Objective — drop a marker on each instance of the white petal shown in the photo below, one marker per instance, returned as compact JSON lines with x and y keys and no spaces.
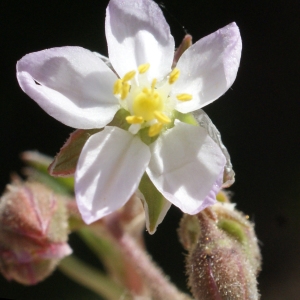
{"x":205,"y":122}
{"x":71,"y":84}
{"x":108,"y":172}
{"x":137,"y":33}
{"x":208,"y":68}
{"x":187,"y":167}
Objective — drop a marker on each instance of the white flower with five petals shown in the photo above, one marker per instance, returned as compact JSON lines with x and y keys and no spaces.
{"x":77,"y":88}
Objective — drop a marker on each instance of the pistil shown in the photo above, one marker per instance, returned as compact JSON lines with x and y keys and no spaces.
{"x":146,"y":103}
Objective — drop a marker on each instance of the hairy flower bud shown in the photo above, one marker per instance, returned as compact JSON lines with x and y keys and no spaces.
{"x":33,"y":232}
{"x":224,"y":258}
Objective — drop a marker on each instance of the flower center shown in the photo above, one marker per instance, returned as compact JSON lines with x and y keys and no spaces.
{"x":149,"y":105}
{"x":146,"y":103}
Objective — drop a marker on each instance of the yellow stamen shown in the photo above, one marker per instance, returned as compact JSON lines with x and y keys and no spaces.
{"x":134,"y":120}
{"x":184,"y":97}
{"x":143,"y":68}
{"x":155,"y":129}
{"x":174,"y":75}
{"x":153,"y":83}
{"x":161,"y":117}
{"x":125,"y":90}
{"x":128,"y":76}
{"x":117,"y":87}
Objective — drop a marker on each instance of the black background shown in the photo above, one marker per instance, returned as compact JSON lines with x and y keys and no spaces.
{"x":258,"y":119}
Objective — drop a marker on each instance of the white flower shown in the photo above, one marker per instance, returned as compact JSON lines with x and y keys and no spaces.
{"x":77,"y":88}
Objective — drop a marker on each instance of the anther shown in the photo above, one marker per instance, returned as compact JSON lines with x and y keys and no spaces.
{"x":117,"y":87}
{"x":155,"y":129}
{"x":184,"y":97}
{"x":125,"y":90}
{"x":128,"y":76}
{"x":153,"y":83}
{"x":174,"y":75}
{"x":134,"y":120}
{"x":161,"y":117}
{"x":143,"y":68}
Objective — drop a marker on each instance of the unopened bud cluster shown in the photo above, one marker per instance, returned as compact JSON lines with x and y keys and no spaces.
{"x":224,"y":258}
{"x":33,"y":232}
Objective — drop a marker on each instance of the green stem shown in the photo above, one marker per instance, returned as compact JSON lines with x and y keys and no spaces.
{"x":91,"y":278}
{"x":105,"y":250}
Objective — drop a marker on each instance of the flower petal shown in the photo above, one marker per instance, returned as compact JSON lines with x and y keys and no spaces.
{"x":187,"y":167}
{"x":137,"y":33}
{"x":205,"y":122}
{"x":208,"y":68}
{"x":71,"y":84}
{"x":109,"y":170}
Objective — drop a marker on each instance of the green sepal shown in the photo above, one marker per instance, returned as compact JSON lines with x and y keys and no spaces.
{"x":119,"y":119}
{"x":186,"y":118}
{"x":64,"y":163}
{"x":155,"y":205}
{"x":143,"y":134}
{"x":234,"y":229}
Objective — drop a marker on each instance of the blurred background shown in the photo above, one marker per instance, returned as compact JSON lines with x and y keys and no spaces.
{"x":259,"y":119}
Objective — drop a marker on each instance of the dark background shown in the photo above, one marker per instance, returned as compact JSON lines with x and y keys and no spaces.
{"x":258,"y":118}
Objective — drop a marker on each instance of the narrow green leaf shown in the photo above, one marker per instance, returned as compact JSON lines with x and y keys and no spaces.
{"x":105,"y":249}
{"x":91,"y":278}
{"x":38,"y":171}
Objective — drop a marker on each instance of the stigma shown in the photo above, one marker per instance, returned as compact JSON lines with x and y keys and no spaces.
{"x":148,"y":102}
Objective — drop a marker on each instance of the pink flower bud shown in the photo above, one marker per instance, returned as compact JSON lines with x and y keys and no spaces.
{"x":33,"y":232}
{"x":224,"y":258}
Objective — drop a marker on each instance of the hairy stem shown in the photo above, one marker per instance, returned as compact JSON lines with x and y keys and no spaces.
{"x":160,"y":286}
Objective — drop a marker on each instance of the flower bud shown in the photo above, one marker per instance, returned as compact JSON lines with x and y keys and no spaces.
{"x":33,"y":232}
{"x":224,"y":258}
{"x":185,"y":44}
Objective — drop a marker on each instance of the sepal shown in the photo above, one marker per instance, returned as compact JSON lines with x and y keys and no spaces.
{"x":155,"y":205}
{"x":65,"y":162}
